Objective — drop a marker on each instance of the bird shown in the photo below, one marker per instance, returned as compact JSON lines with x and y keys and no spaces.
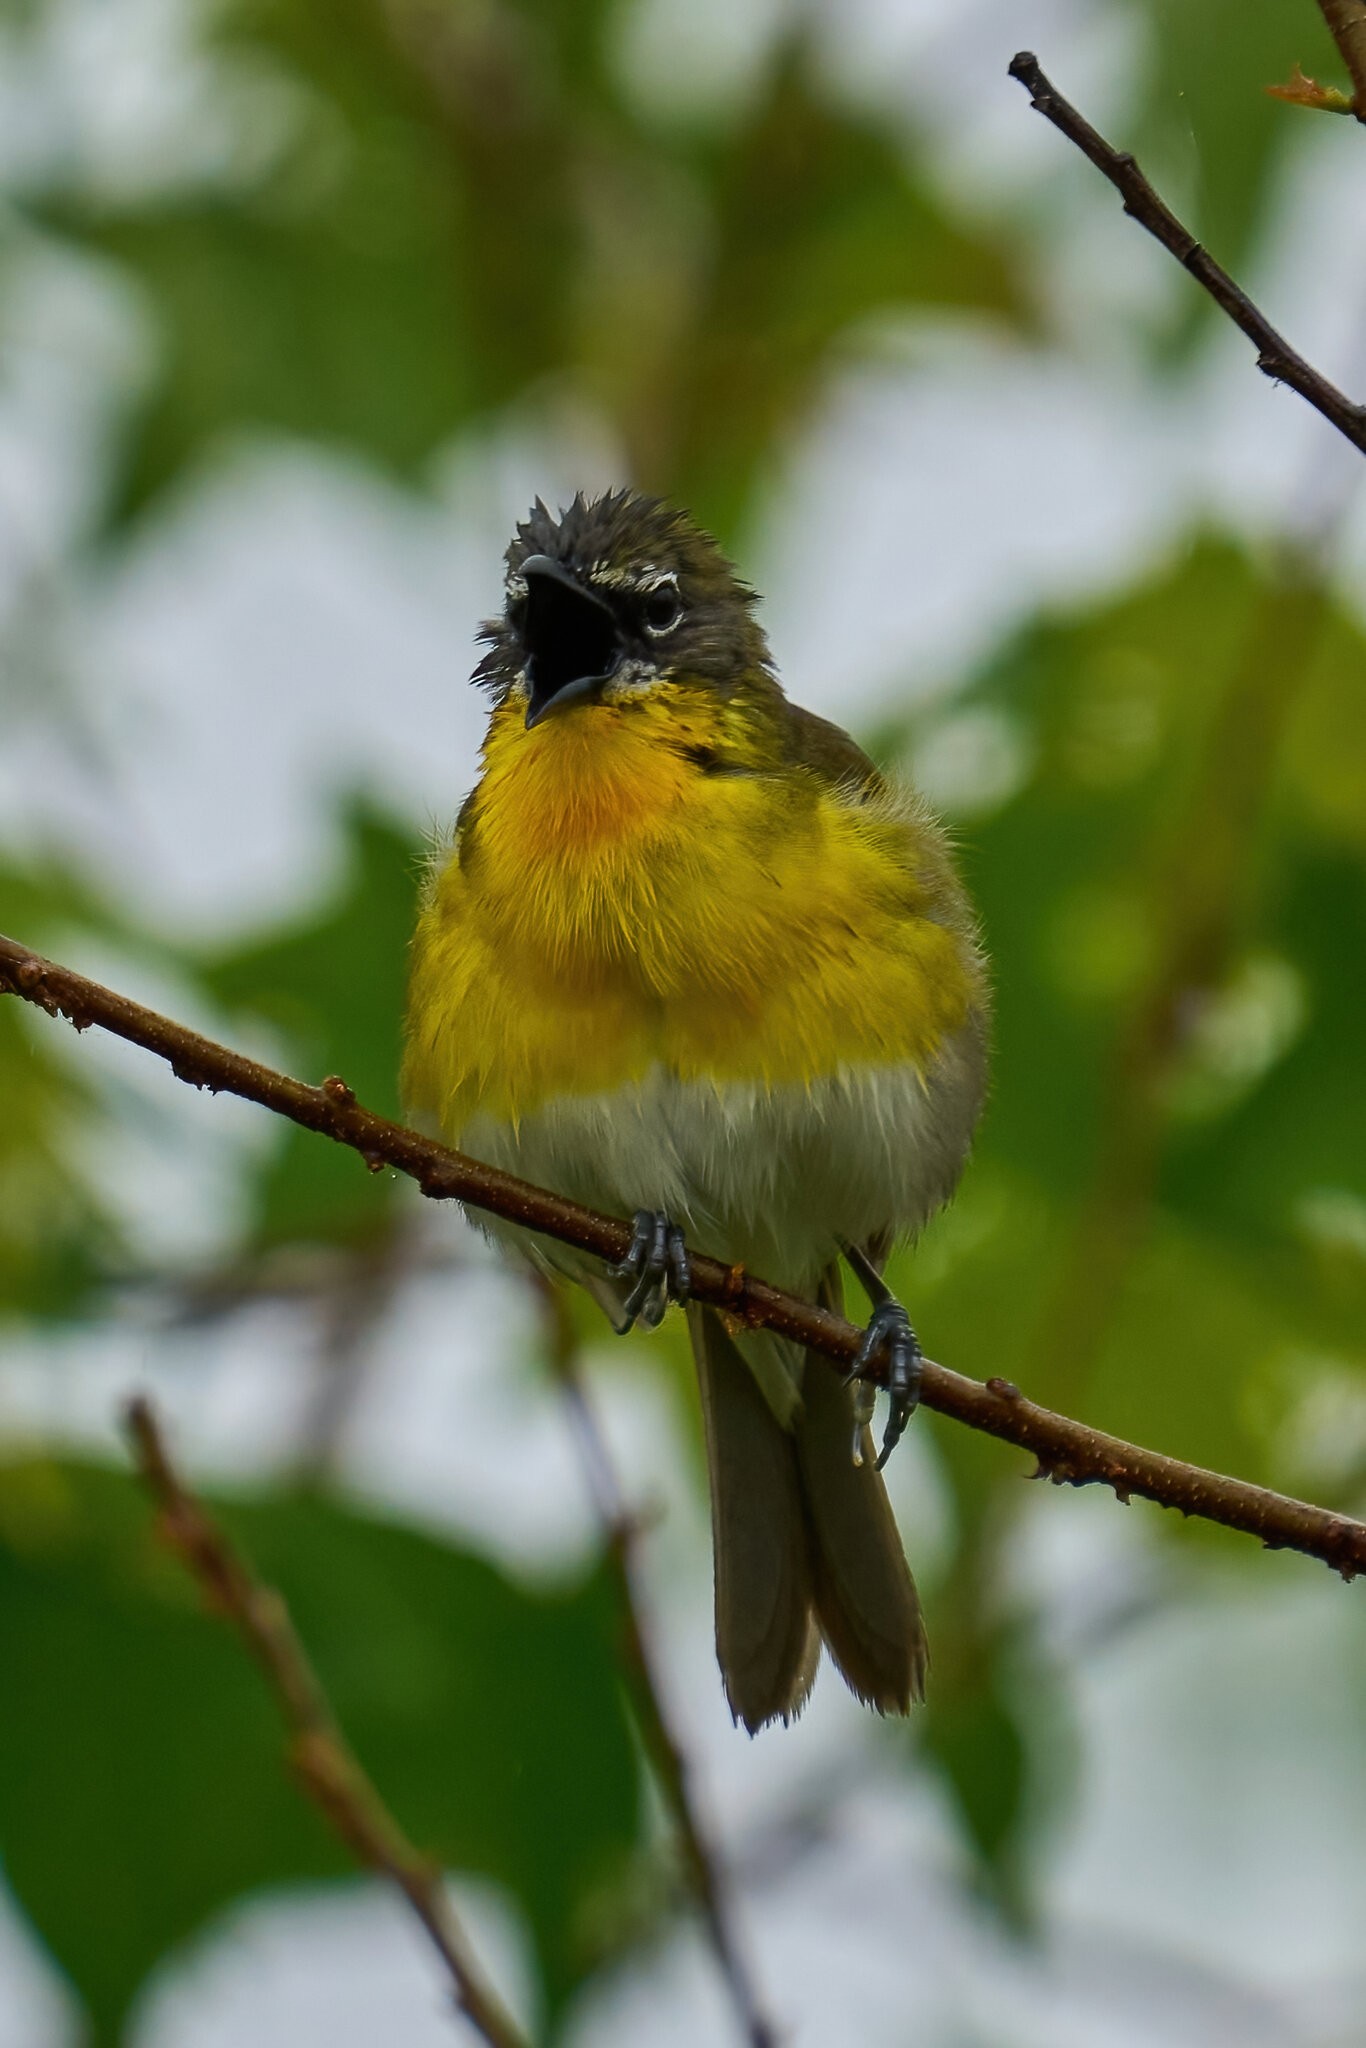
{"x":689,"y":957}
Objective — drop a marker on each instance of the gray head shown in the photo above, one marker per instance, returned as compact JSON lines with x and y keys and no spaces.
{"x":618,"y":594}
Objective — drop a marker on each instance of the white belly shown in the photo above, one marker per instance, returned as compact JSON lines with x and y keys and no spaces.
{"x":773,"y":1179}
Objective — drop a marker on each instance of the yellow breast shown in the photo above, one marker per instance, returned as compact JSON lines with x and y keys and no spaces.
{"x":611,"y":905}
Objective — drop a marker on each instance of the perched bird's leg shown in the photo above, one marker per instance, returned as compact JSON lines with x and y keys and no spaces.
{"x":889,"y":1327}
{"x":657,"y":1265}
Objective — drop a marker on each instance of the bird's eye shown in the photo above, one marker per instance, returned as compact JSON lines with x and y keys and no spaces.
{"x":662,"y":608}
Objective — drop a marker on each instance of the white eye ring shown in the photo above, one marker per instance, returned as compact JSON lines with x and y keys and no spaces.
{"x":661,"y":593}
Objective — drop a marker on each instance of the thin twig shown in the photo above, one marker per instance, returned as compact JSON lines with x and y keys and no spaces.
{"x":318,"y":1751}
{"x":1068,"y":1452}
{"x":287,"y":1275}
{"x":706,"y":1876}
{"x":1275,"y":357}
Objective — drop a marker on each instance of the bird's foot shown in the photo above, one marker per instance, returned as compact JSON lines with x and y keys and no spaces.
{"x":657,"y":1266}
{"x":889,"y":1330}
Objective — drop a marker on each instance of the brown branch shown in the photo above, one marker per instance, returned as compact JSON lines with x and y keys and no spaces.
{"x":1067,"y":1452}
{"x":621,"y":1532}
{"x":1346,"y":21}
{"x":1275,"y":357}
{"x":318,"y":1751}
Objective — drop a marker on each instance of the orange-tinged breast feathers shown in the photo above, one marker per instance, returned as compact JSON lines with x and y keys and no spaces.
{"x":613,"y":905}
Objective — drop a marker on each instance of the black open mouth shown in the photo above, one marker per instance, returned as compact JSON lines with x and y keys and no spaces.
{"x":570,"y":635}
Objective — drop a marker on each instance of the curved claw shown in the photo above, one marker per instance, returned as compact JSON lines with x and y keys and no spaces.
{"x":889,"y":1329}
{"x":658,"y":1267}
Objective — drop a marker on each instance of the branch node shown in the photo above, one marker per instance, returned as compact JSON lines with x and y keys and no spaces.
{"x":336,"y":1090}
{"x":27,"y":978}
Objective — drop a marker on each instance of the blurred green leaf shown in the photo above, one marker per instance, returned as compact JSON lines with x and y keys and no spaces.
{"x":331,"y":985}
{"x":434,"y":213}
{"x":1207,"y":132}
{"x":45,"y":1215}
{"x":821,"y":221}
{"x":1323,"y":761}
{"x":142,"y":1777}
{"x":396,"y":264}
{"x":266,"y":325}
{"x":994,"y":1722}
{"x":1280,"y":1178}
{"x":55,"y":1238}
{"x":461,"y":206}
{"x":1254,"y":1253}
{"x":1115,"y":703}
{"x":977,"y":1741}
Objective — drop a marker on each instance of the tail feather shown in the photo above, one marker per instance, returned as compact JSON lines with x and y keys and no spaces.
{"x":865,"y":1598}
{"x":766,"y":1638}
{"x":806,"y":1545}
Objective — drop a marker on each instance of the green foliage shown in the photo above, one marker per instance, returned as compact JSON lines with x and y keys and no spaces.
{"x":46,"y":1219}
{"x":1086,"y":877}
{"x":977,"y":1738}
{"x":1207,"y":131}
{"x":330,"y":986}
{"x":818,"y":225}
{"x":55,"y":1238}
{"x":1114,"y":707}
{"x":466,"y":207}
{"x":436,"y":218}
{"x":142,"y":1778}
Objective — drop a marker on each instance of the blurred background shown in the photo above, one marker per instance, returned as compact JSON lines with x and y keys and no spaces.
{"x":299,"y":308}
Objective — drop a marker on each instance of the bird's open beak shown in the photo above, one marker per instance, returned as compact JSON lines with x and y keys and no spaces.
{"x":571,"y":639}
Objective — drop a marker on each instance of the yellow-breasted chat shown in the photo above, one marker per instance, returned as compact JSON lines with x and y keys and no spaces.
{"x":688,"y":956}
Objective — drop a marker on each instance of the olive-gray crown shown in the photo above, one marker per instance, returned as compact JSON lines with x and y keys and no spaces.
{"x":675,"y":602}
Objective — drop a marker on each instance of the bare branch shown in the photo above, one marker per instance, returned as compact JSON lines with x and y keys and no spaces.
{"x":318,"y":1751}
{"x":1346,"y":21}
{"x":621,"y":1531}
{"x":1275,"y":357}
{"x":1067,"y":1452}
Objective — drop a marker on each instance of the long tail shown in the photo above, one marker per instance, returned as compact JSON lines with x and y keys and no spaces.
{"x":806,"y":1545}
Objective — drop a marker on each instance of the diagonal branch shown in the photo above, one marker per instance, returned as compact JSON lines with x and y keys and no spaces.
{"x":1068,"y":1452}
{"x":318,"y":1751}
{"x":1275,"y":357}
{"x":706,"y":1877}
